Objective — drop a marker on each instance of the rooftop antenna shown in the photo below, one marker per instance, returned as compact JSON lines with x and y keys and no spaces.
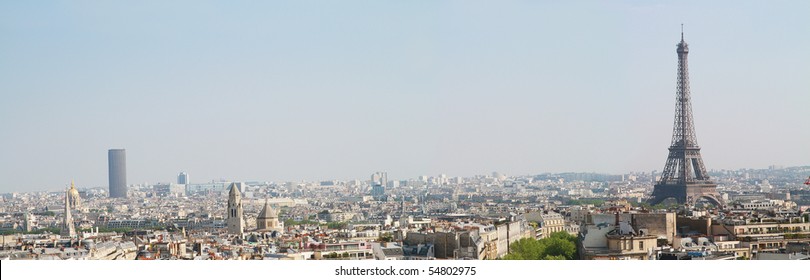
{"x":681,"y":31}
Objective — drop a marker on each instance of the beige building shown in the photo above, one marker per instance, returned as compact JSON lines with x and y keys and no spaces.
{"x":733,"y":246}
{"x":763,"y":237}
{"x":760,"y":230}
{"x":548,"y":223}
{"x":580,"y":212}
{"x":489,"y":235}
{"x":511,"y":232}
{"x":614,"y":237}
{"x":629,"y":247}
{"x":268,"y":219}
{"x":662,"y":225}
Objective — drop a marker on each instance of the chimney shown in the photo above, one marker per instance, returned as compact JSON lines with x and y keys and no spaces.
{"x":617,"y":226}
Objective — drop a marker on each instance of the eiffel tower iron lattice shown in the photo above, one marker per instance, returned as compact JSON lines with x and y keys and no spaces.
{"x":684,"y":178}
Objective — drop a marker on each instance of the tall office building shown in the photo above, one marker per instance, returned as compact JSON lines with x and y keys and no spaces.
{"x":182,"y":178}
{"x":117,"y":159}
{"x":378,"y":182}
{"x":28,"y":221}
{"x":379,"y":178}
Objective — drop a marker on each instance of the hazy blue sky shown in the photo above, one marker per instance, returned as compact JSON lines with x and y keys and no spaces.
{"x":312,"y":90}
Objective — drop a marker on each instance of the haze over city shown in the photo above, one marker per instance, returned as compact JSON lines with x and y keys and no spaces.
{"x":340,"y":90}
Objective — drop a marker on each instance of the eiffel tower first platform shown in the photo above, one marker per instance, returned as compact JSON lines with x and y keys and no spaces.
{"x":684,"y":178}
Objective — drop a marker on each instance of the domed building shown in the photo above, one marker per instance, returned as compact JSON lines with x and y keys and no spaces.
{"x":268,"y":219}
{"x":73,"y":197}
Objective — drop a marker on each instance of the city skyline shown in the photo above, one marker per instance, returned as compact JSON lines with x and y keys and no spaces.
{"x":328,"y":95}
{"x":165,"y":182}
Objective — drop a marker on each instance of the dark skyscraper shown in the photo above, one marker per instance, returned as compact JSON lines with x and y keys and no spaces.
{"x":684,"y":178}
{"x":182,"y":178}
{"x":118,"y":172}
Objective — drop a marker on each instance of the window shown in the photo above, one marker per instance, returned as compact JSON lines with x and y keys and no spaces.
{"x":641,"y":245}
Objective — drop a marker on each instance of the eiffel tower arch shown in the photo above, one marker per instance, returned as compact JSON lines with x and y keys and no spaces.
{"x":684,"y":178}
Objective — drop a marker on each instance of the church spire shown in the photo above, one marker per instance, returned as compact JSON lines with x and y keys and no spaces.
{"x":68,"y":229}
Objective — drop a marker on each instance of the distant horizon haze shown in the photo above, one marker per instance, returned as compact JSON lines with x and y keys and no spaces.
{"x":364,"y":178}
{"x":290,"y":91}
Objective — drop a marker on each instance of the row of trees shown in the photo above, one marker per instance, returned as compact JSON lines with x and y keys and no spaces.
{"x":335,"y":225}
{"x":585,"y":201}
{"x":558,"y":246}
{"x":36,"y":231}
{"x":56,"y":230}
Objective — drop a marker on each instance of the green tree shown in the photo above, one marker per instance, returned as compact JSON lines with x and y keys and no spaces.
{"x":291,"y":222}
{"x":595,"y":202}
{"x":42,"y":230}
{"x":385,"y":237}
{"x":337,"y":225}
{"x":564,"y":235}
{"x":573,"y":239}
{"x":525,"y":249}
{"x":558,"y":246}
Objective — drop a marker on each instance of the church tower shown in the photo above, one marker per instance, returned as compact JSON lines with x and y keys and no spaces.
{"x":236,"y":224}
{"x":28,"y":221}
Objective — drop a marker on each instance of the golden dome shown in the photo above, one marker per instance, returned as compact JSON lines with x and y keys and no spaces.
{"x":73,"y":194}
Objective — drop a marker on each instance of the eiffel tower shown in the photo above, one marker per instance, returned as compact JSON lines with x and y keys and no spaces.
{"x":684,"y":178}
